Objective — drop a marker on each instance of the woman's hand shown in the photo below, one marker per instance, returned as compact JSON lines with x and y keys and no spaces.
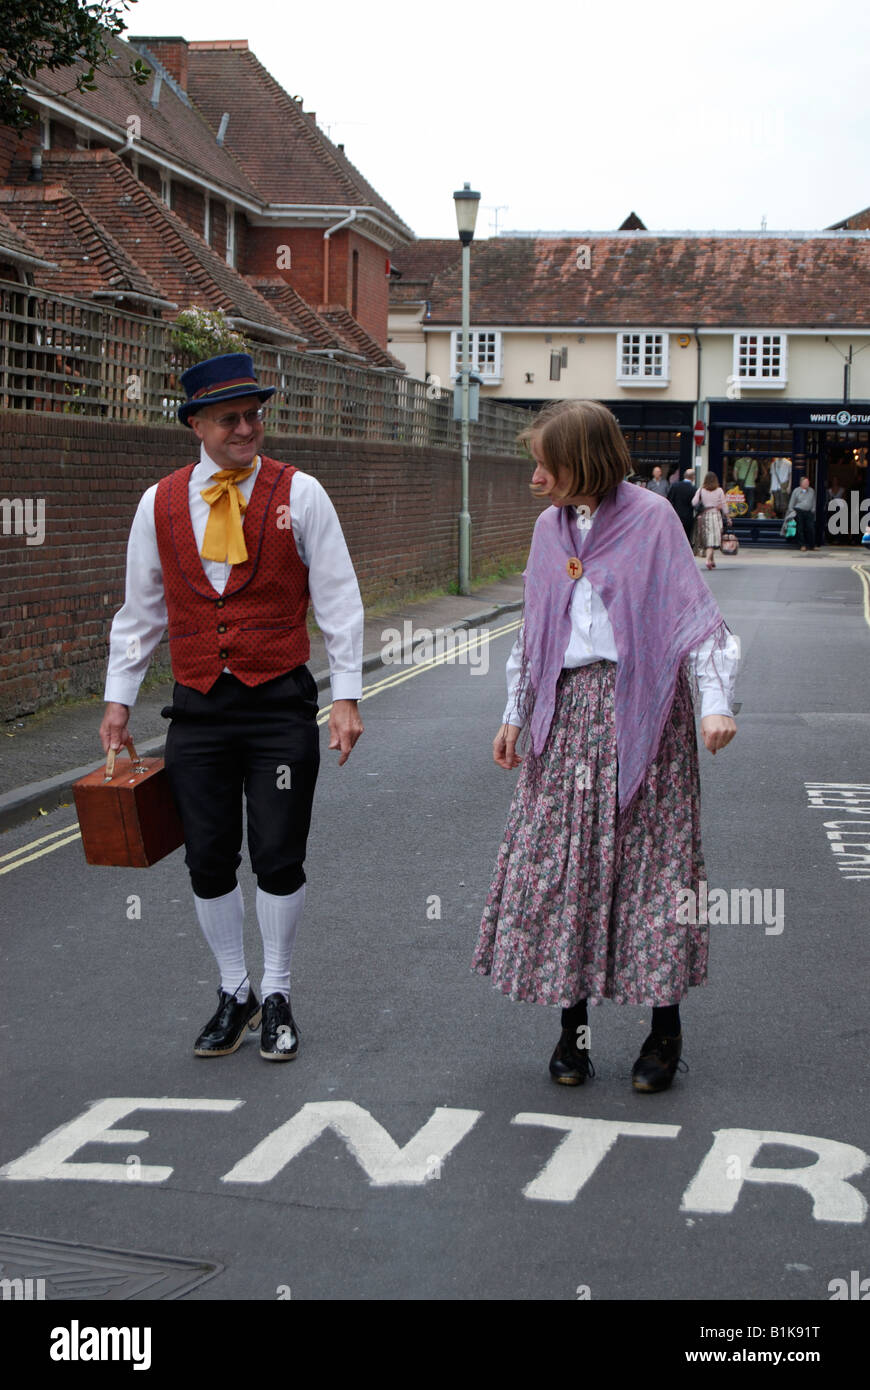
{"x":504,"y":746}
{"x":717,"y":730}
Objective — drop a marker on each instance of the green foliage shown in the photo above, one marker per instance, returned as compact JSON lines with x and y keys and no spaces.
{"x":202,"y":333}
{"x":56,"y":34}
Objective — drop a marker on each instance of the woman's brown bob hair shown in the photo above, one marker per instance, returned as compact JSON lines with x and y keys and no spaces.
{"x":710,"y":483}
{"x":584,"y":438}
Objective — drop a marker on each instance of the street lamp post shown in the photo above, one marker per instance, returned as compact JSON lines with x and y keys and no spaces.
{"x":466,"y":203}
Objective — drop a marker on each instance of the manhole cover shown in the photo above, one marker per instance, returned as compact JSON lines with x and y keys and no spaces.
{"x":32,"y":1269}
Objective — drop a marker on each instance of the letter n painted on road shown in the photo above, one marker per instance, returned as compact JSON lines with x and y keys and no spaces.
{"x":581,"y":1151}
{"x":373,"y":1148}
{"x":834,"y":1198}
{"x":49,"y":1158}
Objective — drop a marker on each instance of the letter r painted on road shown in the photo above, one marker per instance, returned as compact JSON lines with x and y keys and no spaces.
{"x":49,"y":1159}
{"x":826,"y":1180}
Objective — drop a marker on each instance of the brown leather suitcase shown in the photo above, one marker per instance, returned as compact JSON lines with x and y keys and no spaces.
{"x":126,"y":812}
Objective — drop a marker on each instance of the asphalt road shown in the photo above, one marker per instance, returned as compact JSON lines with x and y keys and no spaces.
{"x":102,"y":1004}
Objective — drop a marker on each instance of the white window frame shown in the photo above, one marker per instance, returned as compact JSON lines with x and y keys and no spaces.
{"x":764,"y":341}
{"x":491,"y":370}
{"x":206,"y":218}
{"x":231,"y":235}
{"x":645,"y":348}
{"x":166,"y":188}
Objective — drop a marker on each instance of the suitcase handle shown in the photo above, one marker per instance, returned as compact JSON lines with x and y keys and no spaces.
{"x":133,"y":756}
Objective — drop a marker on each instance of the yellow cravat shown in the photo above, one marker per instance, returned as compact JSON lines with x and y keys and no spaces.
{"x":224,"y":538}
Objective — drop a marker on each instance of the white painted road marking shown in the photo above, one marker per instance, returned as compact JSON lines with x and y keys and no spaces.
{"x":715,"y":1187}
{"x":580,"y":1152}
{"x":834,"y":1198}
{"x":379,"y":1156}
{"x":49,"y":1158}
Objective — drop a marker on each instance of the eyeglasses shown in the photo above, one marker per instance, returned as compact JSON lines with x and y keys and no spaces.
{"x":231,"y":422}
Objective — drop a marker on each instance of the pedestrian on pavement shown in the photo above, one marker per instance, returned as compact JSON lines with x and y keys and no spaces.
{"x":603,"y":831}
{"x":803,"y":504}
{"x":226,"y":551}
{"x":680,"y":496}
{"x":712,"y":510}
{"x":657,"y":483}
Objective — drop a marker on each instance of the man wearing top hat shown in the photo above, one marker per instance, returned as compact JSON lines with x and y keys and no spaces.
{"x":227,"y":552}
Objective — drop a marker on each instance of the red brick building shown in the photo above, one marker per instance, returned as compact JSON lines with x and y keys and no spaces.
{"x":208,"y":186}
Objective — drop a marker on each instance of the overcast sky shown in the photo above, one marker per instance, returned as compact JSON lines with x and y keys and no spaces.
{"x":695,"y":116}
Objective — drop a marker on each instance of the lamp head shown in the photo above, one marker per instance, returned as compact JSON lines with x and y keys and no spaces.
{"x":467,"y":203}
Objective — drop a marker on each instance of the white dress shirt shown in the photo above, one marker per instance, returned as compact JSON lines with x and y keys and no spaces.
{"x":138,"y":626}
{"x":592,"y":639}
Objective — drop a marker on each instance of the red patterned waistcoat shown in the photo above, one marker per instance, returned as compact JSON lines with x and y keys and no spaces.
{"x":256,"y":627}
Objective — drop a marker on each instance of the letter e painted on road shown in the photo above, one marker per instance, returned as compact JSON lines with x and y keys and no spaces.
{"x":49,"y":1159}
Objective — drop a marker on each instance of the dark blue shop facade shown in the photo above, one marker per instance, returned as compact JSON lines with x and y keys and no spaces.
{"x":826,"y":441}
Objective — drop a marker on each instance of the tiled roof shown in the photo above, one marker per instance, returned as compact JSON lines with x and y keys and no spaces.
{"x":331,"y":327}
{"x":355,"y":336}
{"x":16,"y":246}
{"x":301,"y":317}
{"x":654,"y":281}
{"x":170,"y":254}
{"x":88,"y":257}
{"x":285,"y":155}
{"x":173,"y":126}
{"x":856,"y":222}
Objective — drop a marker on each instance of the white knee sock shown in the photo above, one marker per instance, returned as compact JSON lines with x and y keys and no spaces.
{"x":222,"y":921}
{"x":279,"y":920}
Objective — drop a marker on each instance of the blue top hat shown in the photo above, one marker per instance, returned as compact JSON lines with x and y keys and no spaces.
{"x":220,"y":379}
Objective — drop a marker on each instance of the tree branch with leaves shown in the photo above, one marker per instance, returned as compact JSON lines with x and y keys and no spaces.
{"x":52,"y":34}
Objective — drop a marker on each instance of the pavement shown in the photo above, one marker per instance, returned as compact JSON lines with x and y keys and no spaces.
{"x":42,"y":755}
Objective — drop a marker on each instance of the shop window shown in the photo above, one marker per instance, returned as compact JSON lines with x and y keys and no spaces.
{"x":642,"y":358}
{"x":760,"y":359}
{"x":485,"y":354}
{"x":759,"y":464}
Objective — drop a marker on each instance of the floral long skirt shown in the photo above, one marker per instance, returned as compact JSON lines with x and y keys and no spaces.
{"x":581,"y":905}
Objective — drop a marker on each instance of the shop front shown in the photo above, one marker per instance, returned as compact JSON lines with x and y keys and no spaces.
{"x":764,"y":448}
{"x":657,"y":434}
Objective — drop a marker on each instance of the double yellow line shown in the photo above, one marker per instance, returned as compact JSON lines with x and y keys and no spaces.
{"x":20,"y":856}
{"x":457,"y":649}
{"x":863,"y":575}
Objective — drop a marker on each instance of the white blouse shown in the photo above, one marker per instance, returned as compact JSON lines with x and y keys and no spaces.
{"x":592,"y":640}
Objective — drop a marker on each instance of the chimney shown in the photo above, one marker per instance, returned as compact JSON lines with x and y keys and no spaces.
{"x":172,"y":53}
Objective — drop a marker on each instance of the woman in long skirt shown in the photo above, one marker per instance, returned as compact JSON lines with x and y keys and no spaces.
{"x":711,"y":518}
{"x":589,"y":897}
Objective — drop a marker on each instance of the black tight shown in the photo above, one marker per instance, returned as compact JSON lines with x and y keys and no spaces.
{"x":665,"y":1018}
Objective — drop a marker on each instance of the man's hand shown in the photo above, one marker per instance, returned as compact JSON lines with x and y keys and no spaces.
{"x":504,"y":746}
{"x":717,"y":730}
{"x":345,"y":727}
{"x":113,"y":730}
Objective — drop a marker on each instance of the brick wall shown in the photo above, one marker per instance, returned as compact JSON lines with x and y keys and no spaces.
{"x":188,"y":204}
{"x":260,"y":257}
{"x":398,"y":508}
